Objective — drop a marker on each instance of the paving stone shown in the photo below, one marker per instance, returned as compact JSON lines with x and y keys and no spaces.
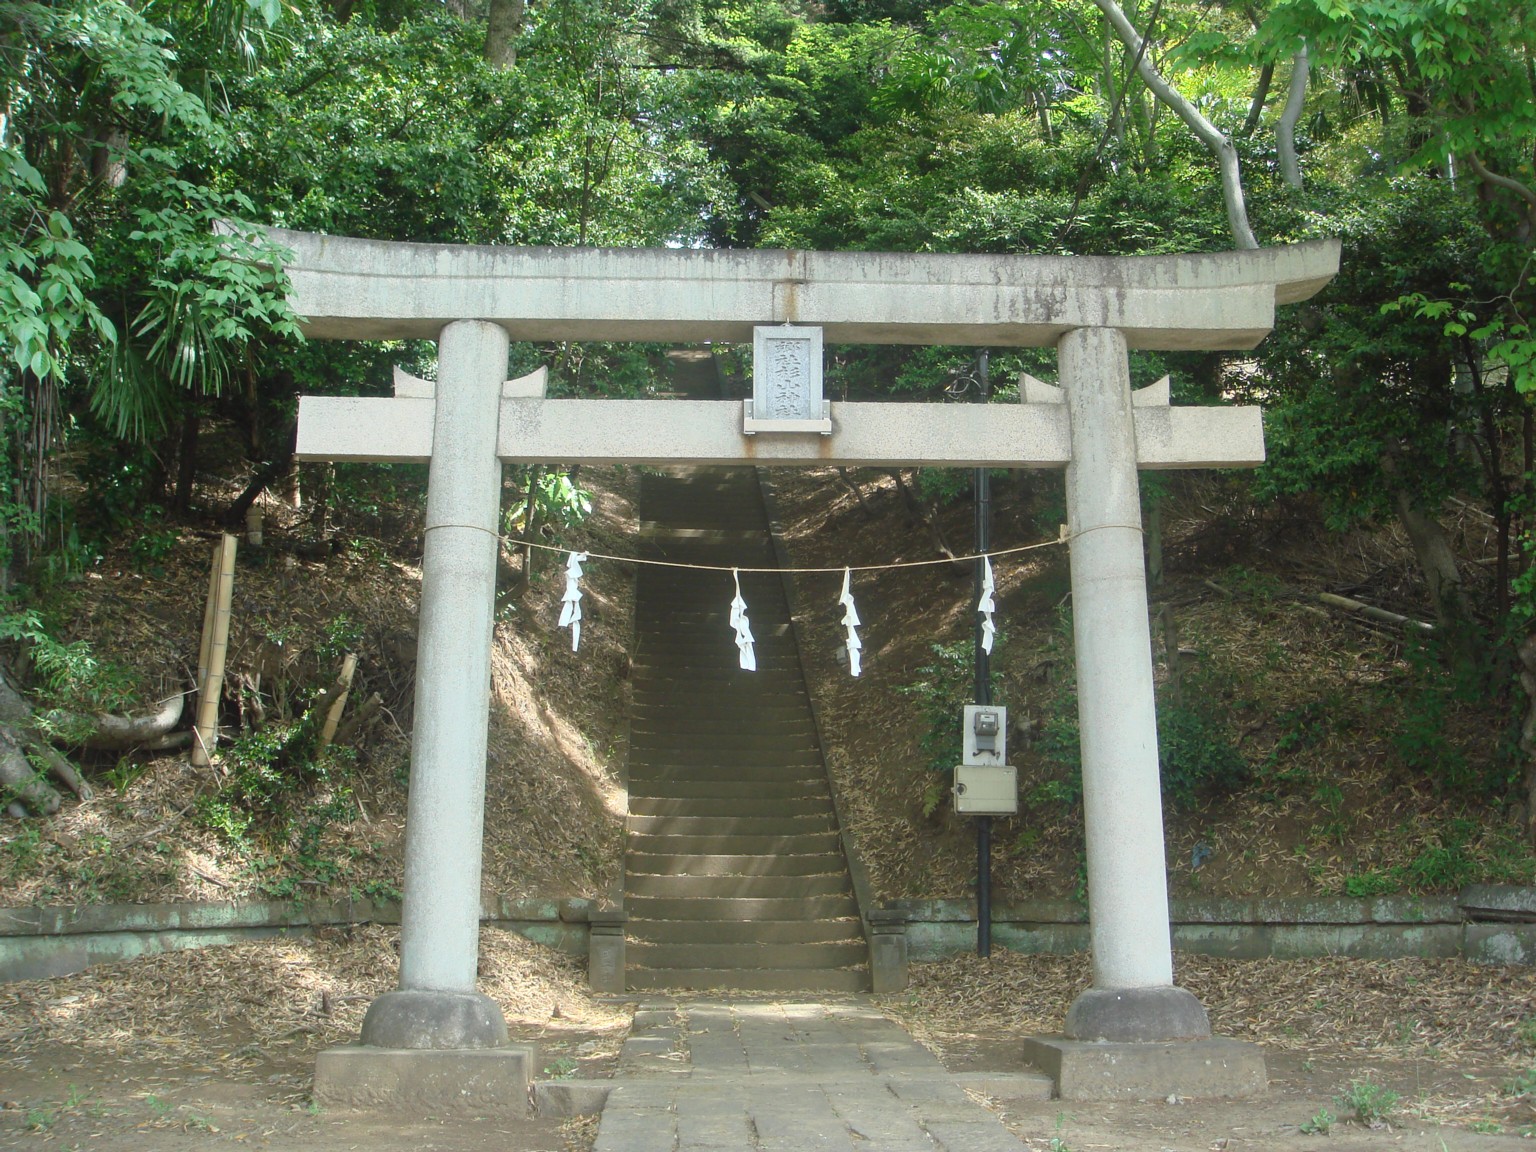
{"x":799,"y":1077}
{"x":973,"y":1136}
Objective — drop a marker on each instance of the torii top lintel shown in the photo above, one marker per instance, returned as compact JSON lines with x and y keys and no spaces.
{"x":346,"y":288}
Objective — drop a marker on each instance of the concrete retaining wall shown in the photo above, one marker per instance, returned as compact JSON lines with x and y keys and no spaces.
{"x":1494,"y":924}
{"x":36,"y":943}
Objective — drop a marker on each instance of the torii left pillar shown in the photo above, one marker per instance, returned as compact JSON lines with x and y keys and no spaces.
{"x":437,"y":1007}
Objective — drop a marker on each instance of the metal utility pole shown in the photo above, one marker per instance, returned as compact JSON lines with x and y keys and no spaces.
{"x":983,"y":492}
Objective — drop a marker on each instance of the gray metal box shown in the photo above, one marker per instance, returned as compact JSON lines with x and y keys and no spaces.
{"x":984,"y":790}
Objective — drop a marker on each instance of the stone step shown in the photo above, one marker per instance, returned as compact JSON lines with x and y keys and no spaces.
{"x":773,"y":696}
{"x":732,"y":864}
{"x":717,"y":652}
{"x":690,"y":690}
{"x":774,"y":763}
{"x":740,"y":907}
{"x":766,"y":625}
{"x":843,"y":954}
{"x":716,"y":662}
{"x":805,"y":771}
{"x":652,"y":625}
{"x":643,"y":776}
{"x":748,"y":979}
{"x":730,"y":825}
{"x":657,"y":717}
{"x":746,"y":932}
{"x":709,"y":607}
{"x":748,"y":531}
{"x":736,"y":887}
{"x":712,"y":556}
{"x":661,"y":637}
{"x":783,"y":844}
{"x":687,"y":677}
{"x":766,"y":753}
{"x":729,"y":806}
{"x":721,"y":744}
{"x":727,"y":786}
{"x":703,"y":723}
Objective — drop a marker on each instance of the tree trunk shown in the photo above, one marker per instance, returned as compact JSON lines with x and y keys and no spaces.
{"x":1442,"y":576}
{"x":858,"y":493}
{"x":503,"y":25}
{"x":1285,"y":131}
{"x":924,"y":514}
{"x":1211,"y":136}
{"x":22,"y":743}
{"x":1527,"y":653}
{"x":20,"y":781}
{"x":1260,"y":95}
{"x":186,"y":457}
{"x":234,"y":515}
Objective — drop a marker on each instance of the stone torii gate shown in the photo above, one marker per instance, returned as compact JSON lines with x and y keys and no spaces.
{"x":474,"y":300}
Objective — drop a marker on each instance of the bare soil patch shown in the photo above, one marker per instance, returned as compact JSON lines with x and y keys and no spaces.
{"x":218,"y":1046}
{"x":1452,"y":1040}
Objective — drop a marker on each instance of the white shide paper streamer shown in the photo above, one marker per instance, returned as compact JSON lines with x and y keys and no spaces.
{"x":570,"y":603}
{"x":742,"y":627}
{"x":851,"y":622}
{"x":986,"y":606}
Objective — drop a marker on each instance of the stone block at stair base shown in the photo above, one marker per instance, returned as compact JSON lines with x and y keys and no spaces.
{"x":565,"y":1098}
{"x":425,"y":1082}
{"x":605,"y":950}
{"x":1199,"y":1069}
{"x":888,"y":951}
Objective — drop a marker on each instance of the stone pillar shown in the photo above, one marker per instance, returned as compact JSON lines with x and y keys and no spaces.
{"x":888,"y":968}
{"x":437,"y":1005}
{"x":605,"y":949}
{"x":1133,"y":997}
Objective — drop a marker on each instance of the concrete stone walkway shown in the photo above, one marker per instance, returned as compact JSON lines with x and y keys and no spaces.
{"x":744,"y":1075}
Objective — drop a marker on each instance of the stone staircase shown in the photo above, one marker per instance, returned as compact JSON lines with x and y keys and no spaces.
{"x":734,"y":874}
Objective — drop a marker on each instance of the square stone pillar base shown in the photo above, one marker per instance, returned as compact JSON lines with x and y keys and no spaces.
{"x":425,"y":1081}
{"x":605,"y":949}
{"x":1095,"y":1070}
{"x":888,"y":950}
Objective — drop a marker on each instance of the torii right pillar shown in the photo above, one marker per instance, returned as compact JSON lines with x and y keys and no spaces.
{"x":1134,"y":1033}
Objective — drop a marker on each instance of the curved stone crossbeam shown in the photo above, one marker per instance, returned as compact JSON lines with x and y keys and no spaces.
{"x":347,"y":288}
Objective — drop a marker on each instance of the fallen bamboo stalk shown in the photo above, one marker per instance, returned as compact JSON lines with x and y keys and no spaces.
{"x":1355,"y":607}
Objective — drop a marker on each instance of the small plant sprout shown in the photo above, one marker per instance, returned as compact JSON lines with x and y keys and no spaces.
{"x":1370,"y":1103}
{"x":1320,"y":1124}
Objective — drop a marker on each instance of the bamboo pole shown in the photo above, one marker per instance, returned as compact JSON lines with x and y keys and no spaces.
{"x":208,"y":608}
{"x":1344,"y":603}
{"x":218,"y":649}
{"x":333,"y":713}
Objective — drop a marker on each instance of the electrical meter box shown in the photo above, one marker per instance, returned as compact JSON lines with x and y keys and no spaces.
{"x":985,"y":790}
{"x":984,"y":736}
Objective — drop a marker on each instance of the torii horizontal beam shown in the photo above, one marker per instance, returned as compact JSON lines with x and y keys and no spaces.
{"x":346,"y":288}
{"x":662,"y":432}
